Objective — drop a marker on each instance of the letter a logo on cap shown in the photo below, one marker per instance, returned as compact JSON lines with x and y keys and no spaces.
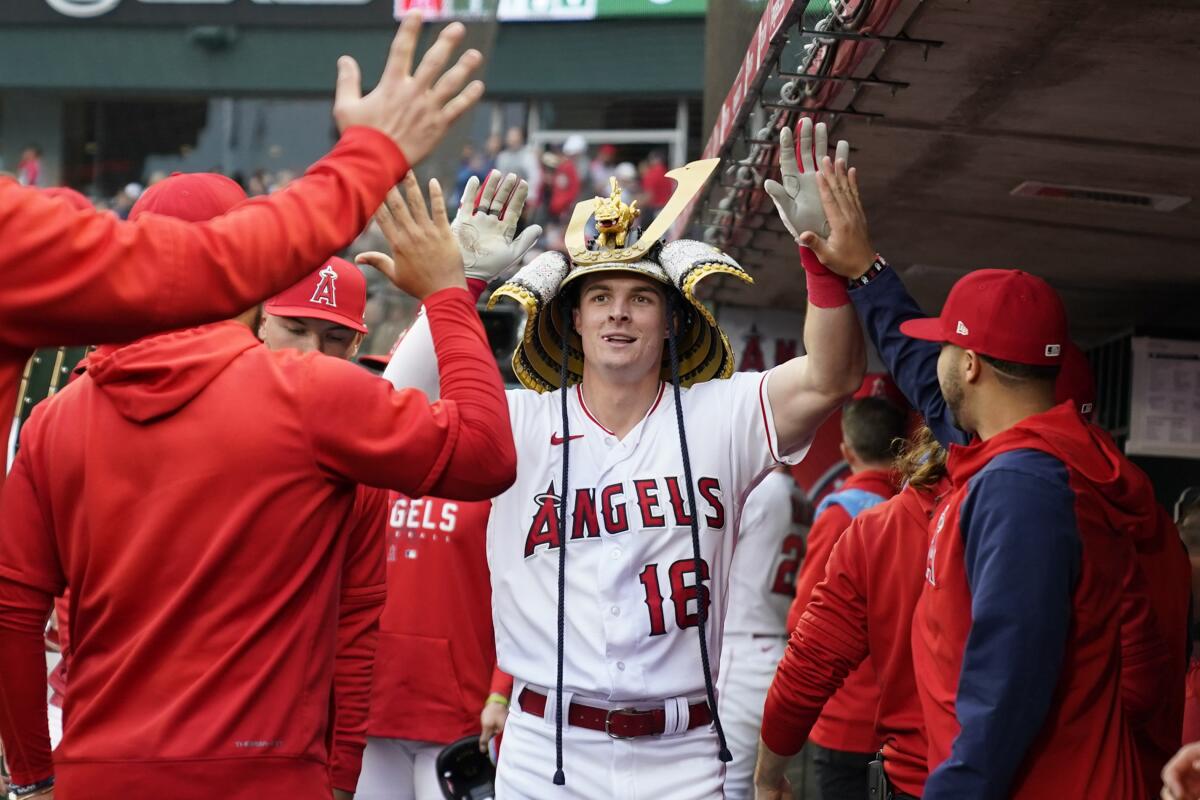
{"x":326,"y":291}
{"x":961,"y":330}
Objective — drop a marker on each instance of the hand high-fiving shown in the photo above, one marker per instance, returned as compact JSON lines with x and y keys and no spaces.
{"x":798,"y":199}
{"x":485,"y":229}
{"x":414,"y":109}
{"x":425,"y":257}
{"x":846,"y":250}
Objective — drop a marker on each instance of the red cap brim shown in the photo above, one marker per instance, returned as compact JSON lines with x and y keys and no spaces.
{"x":308,"y":312}
{"x":930,"y":329}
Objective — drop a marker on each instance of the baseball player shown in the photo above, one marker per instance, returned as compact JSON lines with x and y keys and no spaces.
{"x":321,"y":314}
{"x":1021,"y":667}
{"x":844,"y":740}
{"x":324,"y":313}
{"x":635,"y":454}
{"x":194,"y":490}
{"x":861,"y":612}
{"x":434,"y":667}
{"x":884,"y":305}
{"x":81,"y":276}
{"x":762,"y":579}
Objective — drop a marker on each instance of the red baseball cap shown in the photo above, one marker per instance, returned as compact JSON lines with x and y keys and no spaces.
{"x":1002,"y":313}
{"x":1076,"y":382}
{"x":190,"y":196}
{"x":77,"y":200}
{"x":337,"y":292}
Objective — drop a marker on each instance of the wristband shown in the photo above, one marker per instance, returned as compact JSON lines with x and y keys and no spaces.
{"x":825,"y":289}
{"x":476,"y":286}
{"x":496,"y":697}
{"x":877,"y":266}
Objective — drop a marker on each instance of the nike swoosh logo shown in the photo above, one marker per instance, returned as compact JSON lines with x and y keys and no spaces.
{"x":556,"y":439}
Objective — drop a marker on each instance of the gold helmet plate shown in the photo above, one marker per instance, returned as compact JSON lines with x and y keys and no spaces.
{"x":614,"y":218}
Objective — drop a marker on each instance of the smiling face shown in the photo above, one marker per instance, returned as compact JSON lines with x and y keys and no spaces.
{"x":622,"y":321}
{"x":309,"y":335}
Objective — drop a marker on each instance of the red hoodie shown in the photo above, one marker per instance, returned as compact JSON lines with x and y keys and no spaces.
{"x":194,"y":489}
{"x":81,"y":277}
{"x":1168,"y":573}
{"x":1023,"y":648}
{"x":437,"y":649}
{"x":862,"y":608}
{"x":847,"y":721}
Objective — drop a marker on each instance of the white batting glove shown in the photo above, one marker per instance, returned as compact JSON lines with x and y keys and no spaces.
{"x":485,"y":232}
{"x":798,"y":199}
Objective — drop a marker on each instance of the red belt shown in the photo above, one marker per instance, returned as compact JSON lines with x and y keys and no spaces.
{"x":619,"y":723}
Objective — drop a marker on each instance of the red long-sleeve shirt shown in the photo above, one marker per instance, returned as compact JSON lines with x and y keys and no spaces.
{"x":864,"y":606}
{"x":437,"y":653}
{"x":193,"y":490}
{"x":847,"y":721}
{"x":82,"y":277}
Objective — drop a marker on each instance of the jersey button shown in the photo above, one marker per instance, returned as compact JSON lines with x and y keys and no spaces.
{"x":610,"y":441}
{"x":621,"y":666}
{"x":616,"y":612}
{"x":615,"y":554}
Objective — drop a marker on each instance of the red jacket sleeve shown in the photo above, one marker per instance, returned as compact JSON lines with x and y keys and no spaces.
{"x":30,"y":576}
{"x":821,"y":538}
{"x":364,"y":589}
{"x":363,"y":430}
{"x":502,"y":683}
{"x":828,"y":643}
{"x":1145,"y":655}
{"x":84,"y":277}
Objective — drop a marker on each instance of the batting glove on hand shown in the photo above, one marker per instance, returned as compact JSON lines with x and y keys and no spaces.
{"x":798,"y":199}
{"x":485,"y":229}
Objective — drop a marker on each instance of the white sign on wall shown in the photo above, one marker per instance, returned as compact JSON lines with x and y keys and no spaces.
{"x":1164,"y":409}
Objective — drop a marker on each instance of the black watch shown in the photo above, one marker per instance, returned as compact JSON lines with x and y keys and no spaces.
{"x":877,"y":266}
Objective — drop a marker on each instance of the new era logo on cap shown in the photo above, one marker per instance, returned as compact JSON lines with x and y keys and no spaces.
{"x":1012,"y":317}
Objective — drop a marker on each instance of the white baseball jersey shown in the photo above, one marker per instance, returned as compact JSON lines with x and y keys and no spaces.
{"x":630,"y":578}
{"x":770,"y":546}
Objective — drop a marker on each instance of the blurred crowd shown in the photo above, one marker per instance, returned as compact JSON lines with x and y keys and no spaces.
{"x":560,"y":175}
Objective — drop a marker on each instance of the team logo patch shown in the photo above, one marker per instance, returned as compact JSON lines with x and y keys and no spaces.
{"x":1053,"y":350}
{"x":326,"y":291}
{"x":961,"y":329}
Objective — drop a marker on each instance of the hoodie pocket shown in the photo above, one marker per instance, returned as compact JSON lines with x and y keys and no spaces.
{"x":415,"y":677}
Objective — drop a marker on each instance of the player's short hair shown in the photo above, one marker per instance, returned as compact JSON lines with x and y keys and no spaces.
{"x":873,"y":428}
{"x":1012,"y":373}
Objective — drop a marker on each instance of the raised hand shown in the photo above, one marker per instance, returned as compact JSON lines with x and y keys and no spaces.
{"x":798,"y":199}
{"x":414,"y":109}
{"x":485,"y":231}
{"x":425,"y":257}
{"x":846,"y":250}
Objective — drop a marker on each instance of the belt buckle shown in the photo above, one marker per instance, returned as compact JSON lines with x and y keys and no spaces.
{"x":608,"y":721}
